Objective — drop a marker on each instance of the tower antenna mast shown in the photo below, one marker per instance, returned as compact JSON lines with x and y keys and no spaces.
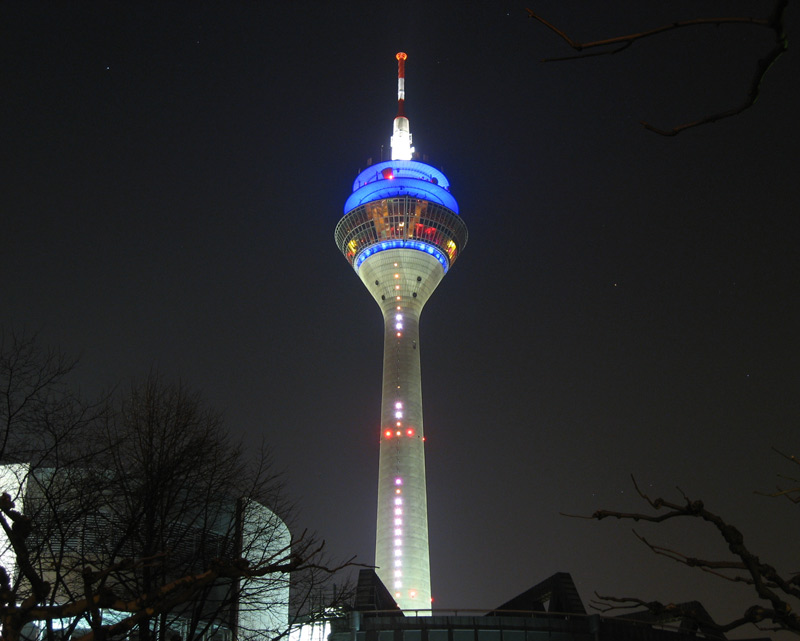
{"x":401,"y":137}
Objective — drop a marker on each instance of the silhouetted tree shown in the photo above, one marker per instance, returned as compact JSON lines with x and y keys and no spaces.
{"x":138,"y":515}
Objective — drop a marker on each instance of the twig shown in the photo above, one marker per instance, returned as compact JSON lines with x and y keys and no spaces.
{"x":774,"y":22}
{"x":765,"y":579}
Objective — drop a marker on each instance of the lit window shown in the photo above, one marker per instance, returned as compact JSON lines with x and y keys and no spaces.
{"x":399,"y":317}
{"x":398,"y":501}
{"x":398,"y":414}
{"x":398,"y":521}
{"x":397,"y":286}
{"x":398,"y":574}
{"x":398,"y":491}
{"x":398,"y":563}
{"x":413,"y":594}
{"x":398,"y":326}
{"x":398,"y":532}
{"x":398,"y":542}
{"x":398,"y":584}
{"x":398,"y":552}
{"x":399,"y":334}
{"x":398,"y":512}
{"x":398,"y":405}
{"x":397,"y":275}
{"x":398,"y":432}
{"x":398,"y":481}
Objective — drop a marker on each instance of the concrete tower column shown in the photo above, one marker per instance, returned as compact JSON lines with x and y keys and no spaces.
{"x":401,"y":233}
{"x":401,"y":281}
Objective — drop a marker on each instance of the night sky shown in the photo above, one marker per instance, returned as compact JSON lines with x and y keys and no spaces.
{"x":172,"y":174}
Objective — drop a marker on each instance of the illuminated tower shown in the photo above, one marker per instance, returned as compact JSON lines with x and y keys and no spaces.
{"x":401,"y":233}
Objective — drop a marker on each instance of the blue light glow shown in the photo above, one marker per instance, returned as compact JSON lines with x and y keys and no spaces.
{"x":410,"y":168}
{"x":402,"y":244}
{"x":398,"y":187}
{"x":396,"y":178}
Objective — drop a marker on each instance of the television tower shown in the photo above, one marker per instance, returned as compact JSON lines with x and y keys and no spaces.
{"x":401,"y":233}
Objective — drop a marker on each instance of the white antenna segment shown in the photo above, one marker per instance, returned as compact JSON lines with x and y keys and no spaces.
{"x":401,"y":137}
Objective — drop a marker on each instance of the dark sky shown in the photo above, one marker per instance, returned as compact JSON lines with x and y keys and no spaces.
{"x":172,"y":174}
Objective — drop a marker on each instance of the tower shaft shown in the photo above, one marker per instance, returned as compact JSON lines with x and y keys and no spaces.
{"x":401,"y":543}
{"x":401,"y":281}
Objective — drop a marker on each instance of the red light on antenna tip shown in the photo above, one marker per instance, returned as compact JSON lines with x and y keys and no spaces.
{"x":401,"y":56}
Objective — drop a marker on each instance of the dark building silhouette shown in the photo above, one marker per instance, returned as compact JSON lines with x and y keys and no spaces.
{"x":549,"y":611}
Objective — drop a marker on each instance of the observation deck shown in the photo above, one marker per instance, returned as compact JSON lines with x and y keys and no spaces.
{"x":401,"y":204}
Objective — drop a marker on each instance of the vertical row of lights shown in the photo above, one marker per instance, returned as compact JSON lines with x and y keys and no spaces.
{"x":398,"y":317}
{"x":398,"y":532}
{"x":398,"y":506}
{"x":398,"y":481}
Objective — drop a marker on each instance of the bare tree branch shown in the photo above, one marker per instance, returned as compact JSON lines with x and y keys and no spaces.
{"x":692,"y":610}
{"x":629,"y":39}
{"x":747,"y":568}
{"x":792,"y":493}
{"x":614,"y":45}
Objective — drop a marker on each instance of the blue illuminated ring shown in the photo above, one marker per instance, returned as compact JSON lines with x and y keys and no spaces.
{"x":398,"y":187}
{"x":417,"y":245}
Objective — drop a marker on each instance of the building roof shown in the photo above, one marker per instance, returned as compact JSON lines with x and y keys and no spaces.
{"x":551,"y":610}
